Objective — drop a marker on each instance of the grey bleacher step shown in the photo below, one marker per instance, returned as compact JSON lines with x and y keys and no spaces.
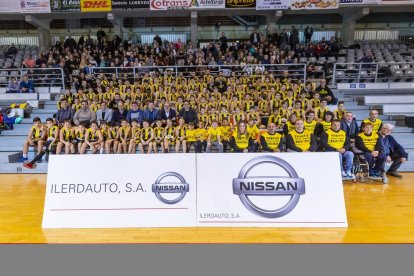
{"x":384,"y":122}
{"x":18,"y":168}
{"x":407,"y":167}
{"x":44,"y":111}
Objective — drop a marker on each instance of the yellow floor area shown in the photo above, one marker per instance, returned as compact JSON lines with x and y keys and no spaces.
{"x":377,"y":213}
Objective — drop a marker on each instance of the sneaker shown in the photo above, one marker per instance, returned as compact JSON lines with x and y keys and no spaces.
{"x":40,"y":161}
{"x":375,"y":175}
{"x":344,"y":174}
{"x":23,"y":159}
{"x":350,"y":174}
{"x":395,"y":174}
{"x":28,"y":165}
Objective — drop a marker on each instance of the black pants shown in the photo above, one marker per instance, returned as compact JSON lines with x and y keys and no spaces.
{"x":396,"y":162}
{"x":199,"y":146}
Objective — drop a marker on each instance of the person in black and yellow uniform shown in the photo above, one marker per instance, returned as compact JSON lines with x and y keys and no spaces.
{"x":109,"y":135}
{"x":241,"y":140}
{"x":191,"y":137}
{"x":169,"y":136}
{"x":147,"y":137}
{"x":122,"y":137}
{"x":66,"y":135}
{"x":325,"y":124}
{"x":201,"y":135}
{"x":290,"y":124}
{"x":52,"y":138}
{"x":158,"y":136}
{"x":180,"y":136}
{"x":321,"y":110}
{"x":93,"y":139}
{"x":80,"y":133}
{"x":225,"y":134}
{"x":310,"y":122}
{"x":270,"y":140}
{"x":373,"y":119}
{"x":371,"y":146}
{"x":340,"y":111}
{"x":335,"y":139}
{"x":275,"y":118}
{"x":36,"y":137}
{"x":300,"y":140}
{"x":135,"y":137}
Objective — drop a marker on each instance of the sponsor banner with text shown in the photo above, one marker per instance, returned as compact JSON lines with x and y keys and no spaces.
{"x":96,"y":5}
{"x":272,"y":4}
{"x":240,"y":4}
{"x":7,"y":6}
{"x":359,"y":2}
{"x":35,"y":6}
{"x":156,"y":5}
{"x":108,"y":191}
{"x":270,"y":190}
{"x":65,"y":5}
{"x":130,"y":4}
{"x":187,"y":190}
{"x":314,"y":4}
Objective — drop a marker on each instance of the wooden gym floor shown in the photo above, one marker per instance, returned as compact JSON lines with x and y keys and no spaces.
{"x":377,"y":213}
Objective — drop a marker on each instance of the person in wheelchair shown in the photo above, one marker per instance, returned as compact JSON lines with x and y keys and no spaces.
{"x":393,"y":150}
{"x":335,"y":139}
{"x":371,"y":146}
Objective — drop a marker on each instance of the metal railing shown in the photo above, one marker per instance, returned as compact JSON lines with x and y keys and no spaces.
{"x":41,"y":77}
{"x":295,"y":71}
{"x":373,"y":72}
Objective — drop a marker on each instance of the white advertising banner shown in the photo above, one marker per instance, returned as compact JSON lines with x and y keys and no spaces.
{"x":7,"y":6}
{"x":272,"y":4}
{"x":359,"y":2}
{"x":270,"y":190}
{"x":111,"y":191}
{"x":156,"y":5}
{"x":35,"y":6}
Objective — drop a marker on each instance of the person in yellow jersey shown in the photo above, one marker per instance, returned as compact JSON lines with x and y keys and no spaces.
{"x":135,"y":136}
{"x":169,"y":135}
{"x":340,"y":111}
{"x":108,"y":134}
{"x":301,"y":140}
{"x":325,"y":124}
{"x":52,"y":138}
{"x":373,"y":119}
{"x":321,"y":110}
{"x":158,"y":136}
{"x":93,"y":140}
{"x":122,"y":137}
{"x":36,"y":137}
{"x":275,"y":118}
{"x":335,"y":139}
{"x":201,"y":136}
{"x":370,"y":144}
{"x":214,"y":137}
{"x":66,"y":135}
{"x":191,"y":137}
{"x":80,"y":133}
{"x":147,"y":138}
{"x":225,"y":133}
{"x":241,"y":140}
{"x":270,"y":140}
{"x":290,"y":124}
{"x":310,"y":122}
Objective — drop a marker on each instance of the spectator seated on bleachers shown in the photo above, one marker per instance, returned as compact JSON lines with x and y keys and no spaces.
{"x":11,"y":52}
{"x":14,"y":86}
{"x":26,"y":85}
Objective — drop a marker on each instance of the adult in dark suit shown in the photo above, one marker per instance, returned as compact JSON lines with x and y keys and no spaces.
{"x":167,"y":113}
{"x":150,"y":114}
{"x":189,"y":114}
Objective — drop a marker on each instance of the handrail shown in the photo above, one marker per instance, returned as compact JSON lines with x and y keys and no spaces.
{"x":40,"y":76}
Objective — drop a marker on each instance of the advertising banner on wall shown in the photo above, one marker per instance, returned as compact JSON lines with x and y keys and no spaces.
{"x":314,"y":4}
{"x":130,"y":4}
{"x":272,"y":4}
{"x":96,"y":5}
{"x":7,"y":6}
{"x":65,"y":5}
{"x":359,"y":2}
{"x":270,"y":190}
{"x":35,"y":6}
{"x":126,"y":191}
{"x":156,"y":5}
{"x":240,"y":4}
{"x":187,"y":190}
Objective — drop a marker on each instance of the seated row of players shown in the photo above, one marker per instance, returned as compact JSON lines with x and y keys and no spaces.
{"x":240,"y":138}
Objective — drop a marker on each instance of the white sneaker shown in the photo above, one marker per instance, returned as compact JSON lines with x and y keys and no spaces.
{"x":344,"y":174}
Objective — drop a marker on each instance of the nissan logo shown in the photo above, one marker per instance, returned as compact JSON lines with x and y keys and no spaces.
{"x":180,"y":187}
{"x":272,"y":185}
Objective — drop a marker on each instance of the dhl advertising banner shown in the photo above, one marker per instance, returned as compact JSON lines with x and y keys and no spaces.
{"x":187,"y":190}
{"x":65,"y":5}
{"x":95,"y":5}
{"x":35,"y":6}
{"x":240,"y":4}
{"x":108,"y":191}
{"x":314,"y":4}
